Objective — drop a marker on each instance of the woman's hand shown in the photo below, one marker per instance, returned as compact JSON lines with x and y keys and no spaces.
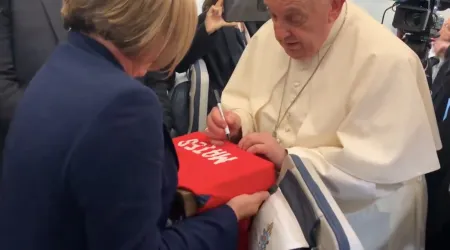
{"x":245,"y":206}
{"x":264,"y":144}
{"x":214,"y":19}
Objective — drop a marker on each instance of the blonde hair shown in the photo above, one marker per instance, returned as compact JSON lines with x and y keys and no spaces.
{"x":137,"y":27}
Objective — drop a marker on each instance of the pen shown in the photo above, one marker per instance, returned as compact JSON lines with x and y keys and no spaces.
{"x":219,"y":105}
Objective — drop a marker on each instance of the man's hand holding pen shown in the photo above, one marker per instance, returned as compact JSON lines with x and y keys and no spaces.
{"x":216,"y":125}
{"x":226,"y":125}
{"x":222,"y":125}
{"x":262,"y":144}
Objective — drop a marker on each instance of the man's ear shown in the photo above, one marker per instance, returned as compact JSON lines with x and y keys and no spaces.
{"x":336,"y":8}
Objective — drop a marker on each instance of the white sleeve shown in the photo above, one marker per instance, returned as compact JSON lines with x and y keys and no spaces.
{"x":236,"y":95}
{"x":386,"y":137}
{"x":342,"y":186}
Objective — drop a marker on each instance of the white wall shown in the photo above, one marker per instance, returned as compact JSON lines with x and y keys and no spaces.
{"x":376,"y":9}
{"x":199,"y":5}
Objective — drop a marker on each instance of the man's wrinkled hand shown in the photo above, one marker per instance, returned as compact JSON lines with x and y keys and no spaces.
{"x":264,"y":144}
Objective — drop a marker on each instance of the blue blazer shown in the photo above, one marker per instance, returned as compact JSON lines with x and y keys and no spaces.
{"x":88,"y":165}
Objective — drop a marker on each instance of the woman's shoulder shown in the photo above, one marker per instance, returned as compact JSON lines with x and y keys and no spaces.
{"x":80,"y":71}
{"x":85,"y":86}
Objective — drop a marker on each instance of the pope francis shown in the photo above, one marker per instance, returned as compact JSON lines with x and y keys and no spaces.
{"x":326,"y":82}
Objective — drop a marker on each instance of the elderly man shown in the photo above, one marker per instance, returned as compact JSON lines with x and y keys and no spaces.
{"x":440,"y":47}
{"x":438,"y":219}
{"x":326,"y":82}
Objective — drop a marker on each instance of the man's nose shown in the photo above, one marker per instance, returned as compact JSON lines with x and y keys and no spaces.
{"x":280,"y":31}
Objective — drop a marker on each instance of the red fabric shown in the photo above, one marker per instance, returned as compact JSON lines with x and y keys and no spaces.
{"x":220,"y":172}
{"x":243,"y":234}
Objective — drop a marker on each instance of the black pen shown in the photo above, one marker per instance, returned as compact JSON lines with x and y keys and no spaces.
{"x":219,"y":106}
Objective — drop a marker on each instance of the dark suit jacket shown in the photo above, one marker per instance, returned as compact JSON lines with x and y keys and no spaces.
{"x":161,"y":83}
{"x":29,"y":32}
{"x":220,"y":51}
{"x":88,"y":164}
{"x":438,"y":219}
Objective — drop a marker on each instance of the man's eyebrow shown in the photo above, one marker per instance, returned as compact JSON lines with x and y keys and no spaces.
{"x":292,"y":11}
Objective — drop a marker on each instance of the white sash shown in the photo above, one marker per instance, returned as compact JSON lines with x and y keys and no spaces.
{"x":301,"y":214}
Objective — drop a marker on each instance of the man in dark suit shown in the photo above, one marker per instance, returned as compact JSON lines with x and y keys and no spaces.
{"x":29,"y":31}
{"x":438,"y":182}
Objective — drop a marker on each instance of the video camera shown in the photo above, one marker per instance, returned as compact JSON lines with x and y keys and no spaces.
{"x":419,"y":22}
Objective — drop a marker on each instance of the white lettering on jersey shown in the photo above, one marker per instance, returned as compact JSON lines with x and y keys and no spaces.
{"x":207,"y":151}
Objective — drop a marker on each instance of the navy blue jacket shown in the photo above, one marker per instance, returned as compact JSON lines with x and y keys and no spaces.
{"x":88,"y":165}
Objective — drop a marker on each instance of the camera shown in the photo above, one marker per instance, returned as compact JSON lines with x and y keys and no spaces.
{"x":419,"y":22}
{"x":412,"y":16}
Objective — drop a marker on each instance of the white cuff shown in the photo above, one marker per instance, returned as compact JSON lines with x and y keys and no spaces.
{"x":247,"y":124}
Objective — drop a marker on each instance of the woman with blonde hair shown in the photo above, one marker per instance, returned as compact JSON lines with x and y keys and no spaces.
{"x":87,"y":163}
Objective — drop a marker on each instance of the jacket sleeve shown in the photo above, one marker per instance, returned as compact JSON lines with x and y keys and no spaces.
{"x":161,"y":84}
{"x":117,"y":173}
{"x":202,"y":44}
{"x":10,"y":90}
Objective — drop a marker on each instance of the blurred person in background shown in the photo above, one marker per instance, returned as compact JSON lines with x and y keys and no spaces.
{"x":161,"y":82}
{"x":87,"y":163}
{"x":220,"y":44}
{"x":440,"y":47}
{"x":442,"y":43}
{"x":29,"y":31}
{"x":316,"y":82}
{"x":438,"y":220}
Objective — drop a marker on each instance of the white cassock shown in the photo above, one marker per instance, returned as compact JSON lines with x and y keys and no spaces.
{"x":365,"y":121}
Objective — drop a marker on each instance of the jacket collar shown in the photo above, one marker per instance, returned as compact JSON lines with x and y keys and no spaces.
{"x":91,"y":46}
